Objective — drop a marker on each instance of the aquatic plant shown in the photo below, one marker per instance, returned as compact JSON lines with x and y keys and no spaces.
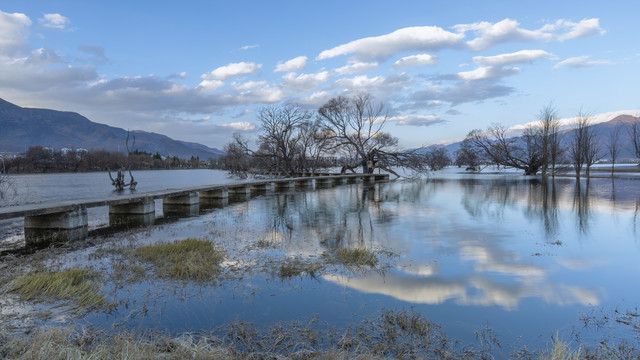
{"x":358,"y":257}
{"x":189,"y":259}
{"x":73,"y":284}
{"x":297,"y":267}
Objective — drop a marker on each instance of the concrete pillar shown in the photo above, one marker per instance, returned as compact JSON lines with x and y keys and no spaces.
{"x":242,"y":189}
{"x":213,"y":203}
{"x":182,"y":205}
{"x":353,"y":179}
{"x":41,"y":230}
{"x":340,"y":180}
{"x":324,"y":182}
{"x":240,"y":192}
{"x":261,"y":187}
{"x":138,"y":213}
{"x":220,"y":193}
{"x":284,"y":185}
{"x":309,"y":183}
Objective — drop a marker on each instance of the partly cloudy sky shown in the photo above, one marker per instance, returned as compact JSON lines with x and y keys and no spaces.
{"x":200,"y":70}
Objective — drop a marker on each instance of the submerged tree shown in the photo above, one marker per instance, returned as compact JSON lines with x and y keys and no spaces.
{"x":550,"y":138}
{"x":437,"y":158}
{"x":119,"y":183}
{"x":467,"y":156}
{"x":523,"y":153}
{"x":281,"y":141}
{"x":354,"y":126}
{"x":633,"y":129}
{"x":613,"y":145}
{"x":584,"y":150}
{"x":237,"y":158}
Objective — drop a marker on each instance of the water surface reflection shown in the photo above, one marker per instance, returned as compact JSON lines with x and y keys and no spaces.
{"x":526,"y":255}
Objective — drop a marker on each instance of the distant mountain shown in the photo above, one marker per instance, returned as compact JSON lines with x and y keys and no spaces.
{"x":21,"y":128}
{"x":601,"y":130}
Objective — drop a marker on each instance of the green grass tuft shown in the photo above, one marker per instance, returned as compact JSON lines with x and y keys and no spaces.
{"x":190,"y":259}
{"x":71,"y":284}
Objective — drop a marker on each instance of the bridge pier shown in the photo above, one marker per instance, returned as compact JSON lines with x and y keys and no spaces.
{"x":284,"y":185}
{"x":353,"y":179}
{"x":261,"y":187}
{"x":339,"y":181}
{"x":220,"y":193}
{"x":137,"y":213}
{"x":305,"y":183}
{"x":324,"y":182}
{"x":213,"y":203}
{"x":40,"y":230}
{"x":182,"y":205}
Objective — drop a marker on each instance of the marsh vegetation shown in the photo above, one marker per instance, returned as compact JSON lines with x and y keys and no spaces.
{"x":344,"y":273}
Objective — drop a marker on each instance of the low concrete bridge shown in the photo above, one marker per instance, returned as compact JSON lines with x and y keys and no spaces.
{"x":68,"y":220}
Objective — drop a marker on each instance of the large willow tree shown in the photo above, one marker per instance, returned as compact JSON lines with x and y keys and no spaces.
{"x":354,"y":126}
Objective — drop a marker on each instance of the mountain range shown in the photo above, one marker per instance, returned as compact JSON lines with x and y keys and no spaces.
{"x":21,"y":128}
{"x":601,"y":130}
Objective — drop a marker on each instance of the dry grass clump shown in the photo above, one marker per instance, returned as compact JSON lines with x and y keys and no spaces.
{"x":65,"y":343}
{"x":561,"y":351}
{"x":358,"y":257}
{"x":190,"y":259}
{"x":394,"y":334}
{"x":73,"y":284}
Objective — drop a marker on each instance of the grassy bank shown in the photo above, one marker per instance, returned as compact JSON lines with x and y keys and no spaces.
{"x":392,"y":335}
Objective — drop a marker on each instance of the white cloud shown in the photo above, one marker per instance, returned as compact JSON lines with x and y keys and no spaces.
{"x":359,"y":82}
{"x":295,"y":64}
{"x":249,"y":85}
{"x":210,"y":85}
{"x":580,"y":62}
{"x":415,"y":60}
{"x":231,"y":70}
{"x":14,"y":30}
{"x":54,"y":21}
{"x":416,"y":120}
{"x":523,"y":56}
{"x":239,"y":126}
{"x":487,"y":72}
{"x":42,"y":69}
{"x":247,"y":47}
{"x":405,"y":39}
{"x":509,"y":30}
{"x":490,"y":34}
{"x":357,"y":66}
{"x":584,"y":28}
{"x":316,"y":99}
{"x":304,"y":82}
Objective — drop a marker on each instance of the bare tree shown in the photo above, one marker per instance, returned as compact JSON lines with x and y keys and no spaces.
{"x":280,"y":140}
{"x":467,"y":156}
{"x":437,"y":158}
{"x":584,"y":150}
{"x":355,"y":125}
{"x":613,"y":145}
{"x":6,"y":184}
{"x":314,"y":144}
{"x":523,"y":153}
{"x":550,"y":137}
{"x":119,"y":182}
{"x":237,"y":158}
{"x":633,"y":129}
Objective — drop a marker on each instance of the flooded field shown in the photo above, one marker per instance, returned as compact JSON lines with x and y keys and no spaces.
{"x":514,"y":259}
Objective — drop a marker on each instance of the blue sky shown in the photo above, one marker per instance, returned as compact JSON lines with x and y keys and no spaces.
{"x":200,"y":70}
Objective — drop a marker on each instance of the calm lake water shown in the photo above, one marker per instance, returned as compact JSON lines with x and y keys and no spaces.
{"x":527,"y":257}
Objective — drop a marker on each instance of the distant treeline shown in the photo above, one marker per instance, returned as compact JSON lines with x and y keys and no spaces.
{"x":46,"y":160}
